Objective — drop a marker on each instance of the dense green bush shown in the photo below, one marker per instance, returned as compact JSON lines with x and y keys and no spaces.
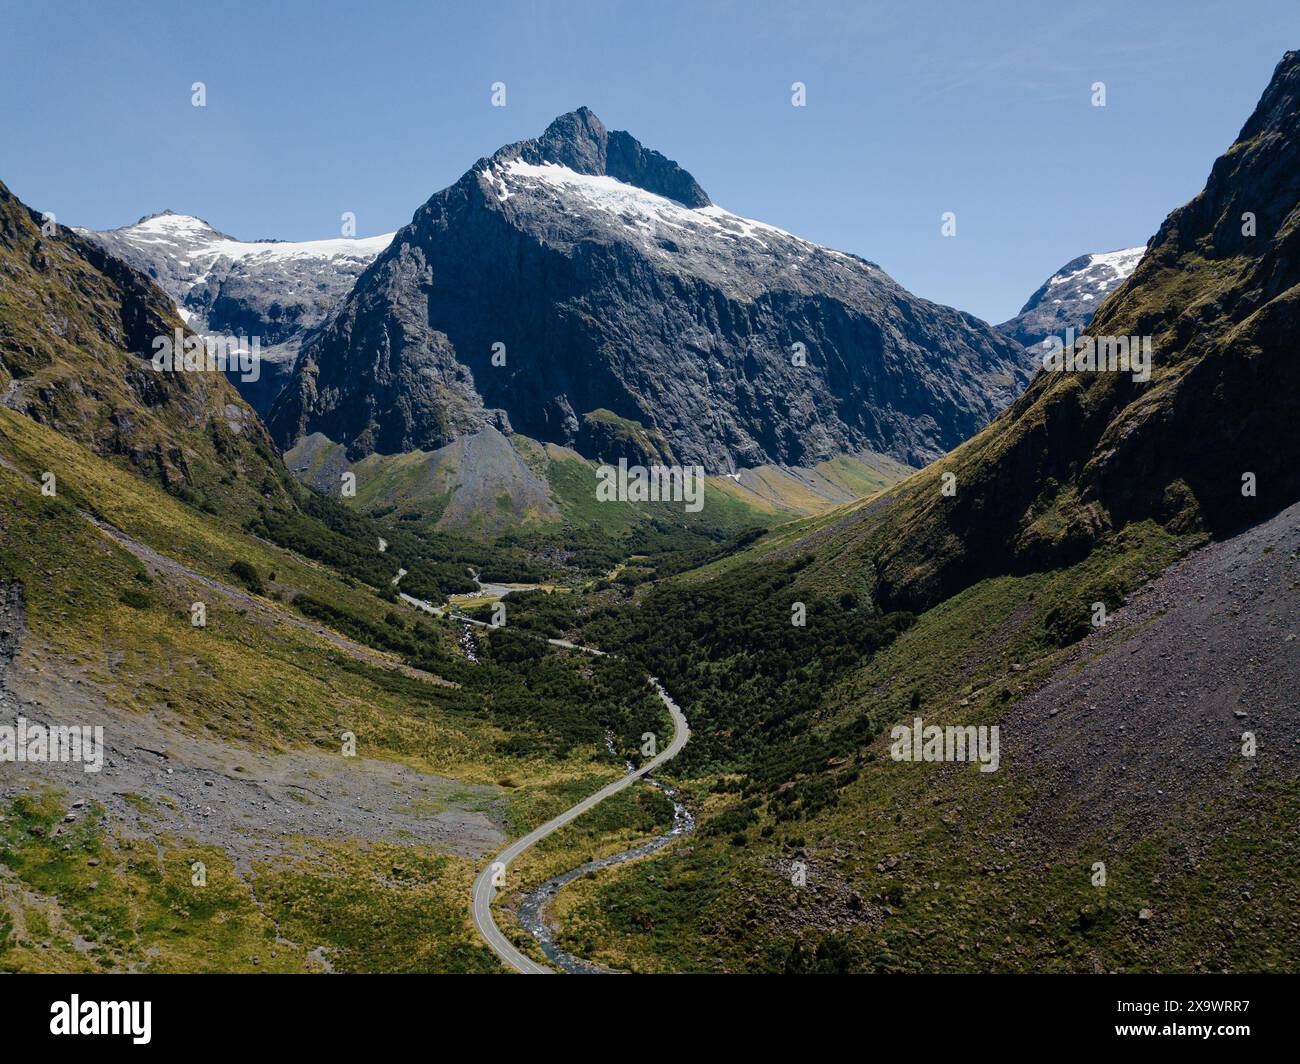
{"x":247,"y":575}
{"x":753,"y":680}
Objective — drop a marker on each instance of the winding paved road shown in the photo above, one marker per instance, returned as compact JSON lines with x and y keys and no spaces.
{"x":484,"y":891}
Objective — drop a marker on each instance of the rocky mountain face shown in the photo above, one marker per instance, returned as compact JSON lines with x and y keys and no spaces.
{"x":583,"y":290}
{"x":1071,"y":296}
{"x":77,"y":332}
{"x":271,"y":289}
{"x":1210,"y":442}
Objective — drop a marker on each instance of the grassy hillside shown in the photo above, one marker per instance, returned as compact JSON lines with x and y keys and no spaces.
{"x":294,"y":653}
{"x":976,"y":606}
{"x":938,"y":867}
{"x":1080,"y":455}
{"x":525,"y":512}
{"x":76,"y":338}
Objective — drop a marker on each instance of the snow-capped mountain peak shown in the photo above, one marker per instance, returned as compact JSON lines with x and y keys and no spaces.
{"x":1093,"y":274}
{"x":661,"y":225}
{"x":641,"y":320}
{"x":275,"y":290}
{"x":1071,"y":296}
{"x":186,"y":237}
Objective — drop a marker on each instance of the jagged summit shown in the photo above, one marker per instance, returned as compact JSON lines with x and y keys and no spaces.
{"x":633,"y":309}
{"x":579,"y":140}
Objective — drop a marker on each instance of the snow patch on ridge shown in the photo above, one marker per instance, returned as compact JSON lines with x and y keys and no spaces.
{"x":205,"y":243}
{"x":642,"y":210}
{"x":1110,"y":268}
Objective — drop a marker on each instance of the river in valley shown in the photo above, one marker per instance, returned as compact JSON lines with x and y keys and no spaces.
{"x":532,"y":910}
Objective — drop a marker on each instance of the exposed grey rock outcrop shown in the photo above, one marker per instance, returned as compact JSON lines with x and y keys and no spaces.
{"x":615,"y":285}
{"x":1071,"y":296}
{"x":274,"y":290}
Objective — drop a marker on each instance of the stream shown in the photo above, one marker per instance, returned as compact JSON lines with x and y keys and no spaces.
{"x":532,"y":910}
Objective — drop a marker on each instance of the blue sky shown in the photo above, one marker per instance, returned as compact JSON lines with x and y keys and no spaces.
{"x":913,"y":109}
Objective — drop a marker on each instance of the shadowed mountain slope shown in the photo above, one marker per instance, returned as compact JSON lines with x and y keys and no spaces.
{"x":77,"y":332}
{"x":605,"y":281}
